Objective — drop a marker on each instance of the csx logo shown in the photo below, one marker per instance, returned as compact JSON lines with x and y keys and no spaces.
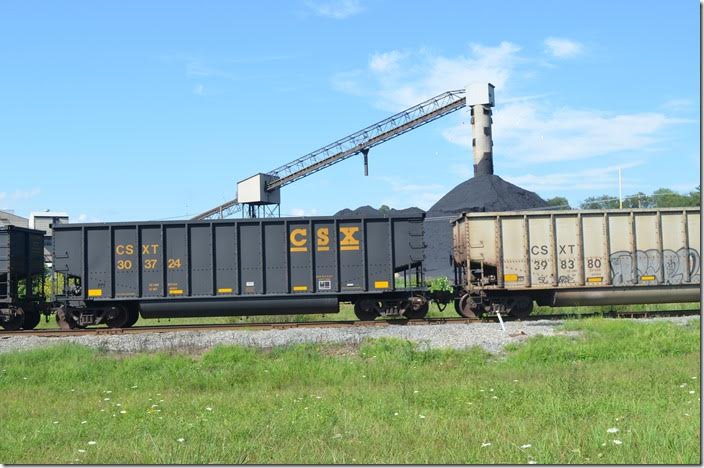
{"x":128,"y":249}
{"x":299,"y":239}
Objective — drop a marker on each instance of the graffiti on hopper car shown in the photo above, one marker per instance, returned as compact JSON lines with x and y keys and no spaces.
{"x":672,"y":268}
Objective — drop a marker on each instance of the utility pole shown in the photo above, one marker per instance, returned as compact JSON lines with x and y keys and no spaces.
{"x":620,"y":192}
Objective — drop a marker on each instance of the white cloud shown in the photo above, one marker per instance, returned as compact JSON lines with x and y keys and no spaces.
{"x":336,"y":9}
{"x":385,"y":62}
{"x":678,"y":104}
{"x":398,"y":79}
{"x":604,"y":178}
{"x":304,"y":212}
{"x":20,"y":194}
{"x":405,"y":194}
{"x":562,"y":48}
{"x":534,"y":132}
{"x":196,"y":69}
{"x":527,"y":129}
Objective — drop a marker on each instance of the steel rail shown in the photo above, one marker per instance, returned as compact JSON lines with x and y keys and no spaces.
{"x":336,"y":323}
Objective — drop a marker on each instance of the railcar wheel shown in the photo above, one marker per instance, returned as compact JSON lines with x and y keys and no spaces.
{"x":469,"y":307}
{"x":121,"y":319}
{"x":133,"y":315}
{"x":66,"y":321}
{"x":367,"y":310}
{"x":522,"y":307}
{"x":32,"y":317}
{"x":417,"y":308}
{"x":15,"y":323}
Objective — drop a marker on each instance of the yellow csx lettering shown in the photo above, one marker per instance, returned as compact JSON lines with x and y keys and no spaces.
{"x":121,"y":249}
{"x":148,"y":249}
{"x":323,"y":239}
{"x":298,"y":239}
{"x":349,"y":242}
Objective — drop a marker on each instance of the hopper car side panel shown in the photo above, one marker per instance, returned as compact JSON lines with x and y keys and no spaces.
{"x":581,"y":257}
{"x":313,"y":262}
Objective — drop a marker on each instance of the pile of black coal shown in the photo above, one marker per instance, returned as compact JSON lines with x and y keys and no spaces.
{"x":480,"y":193}
{"x":367,"y":211}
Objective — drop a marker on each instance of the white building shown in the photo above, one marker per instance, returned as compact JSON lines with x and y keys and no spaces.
{"x":43,"y":220}
{"x":9,"y":218}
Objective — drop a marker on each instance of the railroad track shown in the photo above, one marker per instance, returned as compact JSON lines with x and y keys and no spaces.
{"x":57,"y":332}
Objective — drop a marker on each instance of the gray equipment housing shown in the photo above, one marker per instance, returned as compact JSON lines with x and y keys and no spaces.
{"x":265,"y":266}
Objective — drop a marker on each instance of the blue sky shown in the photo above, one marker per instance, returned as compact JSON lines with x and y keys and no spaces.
{"x":135,"y":110}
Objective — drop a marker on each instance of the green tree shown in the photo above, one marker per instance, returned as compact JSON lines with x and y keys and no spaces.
{"x":638,"y":200}
{"x":695,"y":196}
{"x":661,"y":198}
{"x":599,"y":203}
{"x":666,"y":198}
{"x":558,"y":202}
{"x":384,"y":210}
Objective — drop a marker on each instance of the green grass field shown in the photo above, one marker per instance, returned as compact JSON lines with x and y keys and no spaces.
{"x":619,"y":392}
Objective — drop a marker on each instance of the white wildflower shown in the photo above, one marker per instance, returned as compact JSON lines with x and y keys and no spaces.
{"x":83,"y":422}
{"x":106,"y":399}
{"x":415,"y":391}
{"x":337,"y":436}
{"x":612,"y":430}
{"x":486,"y":444}
{"x":118,"y":404}
{"x":694,"y":377}
{"x":180,"y":439}
{"x":395,"y":414}
{"x":421,"y":416}
{"x":108,"y":391}
{"x":532,"y":462}
{"x":56,"y":422}
{"x":81,"y":451}
{"x":208,"y":408}
{"x":494,"y":397}
{"x":525,"y":446}
{"x":92,"y":442}
{"x":617,"y":442}
{"x":133,"y":386}
{"x":515,"y":380}
{"x":123,"y":412}
{"x":683,"y":385}
{"x":691,"y":392}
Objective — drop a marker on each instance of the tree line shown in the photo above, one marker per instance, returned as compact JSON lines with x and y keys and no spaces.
{"x":661,"y":198}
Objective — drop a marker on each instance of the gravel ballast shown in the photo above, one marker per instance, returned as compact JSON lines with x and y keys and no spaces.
{"x":489,"y":336}
{"x":457,"y":336}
